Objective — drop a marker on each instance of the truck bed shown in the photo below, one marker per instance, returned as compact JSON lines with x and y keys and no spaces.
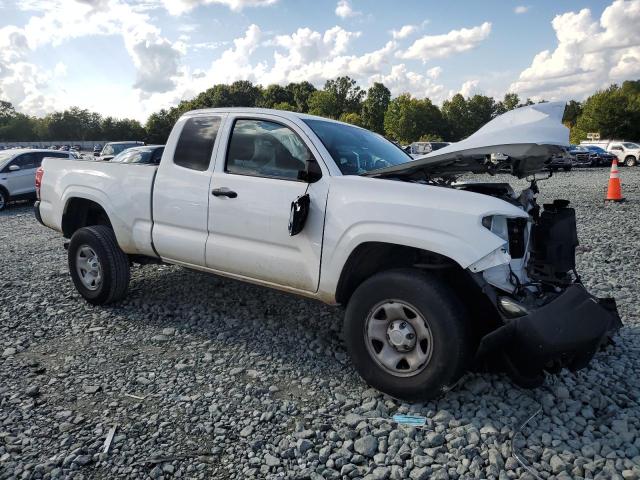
{"x":123,"y":190}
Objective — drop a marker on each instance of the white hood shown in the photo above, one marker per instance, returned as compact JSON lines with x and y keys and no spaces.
{"x":529,"y":136}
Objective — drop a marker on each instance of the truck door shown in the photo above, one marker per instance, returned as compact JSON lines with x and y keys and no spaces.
{"x":254,"y":182}
{"x":181,"y":190}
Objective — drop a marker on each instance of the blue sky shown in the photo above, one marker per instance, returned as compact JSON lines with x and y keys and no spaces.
{"x":130,"y":58}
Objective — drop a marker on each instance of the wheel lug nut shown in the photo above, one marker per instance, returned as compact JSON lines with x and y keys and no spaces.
{"x":403,"y":325}
{"x":410,"y":336}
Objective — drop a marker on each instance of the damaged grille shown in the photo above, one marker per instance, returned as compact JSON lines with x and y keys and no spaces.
{"x":516,"y":228}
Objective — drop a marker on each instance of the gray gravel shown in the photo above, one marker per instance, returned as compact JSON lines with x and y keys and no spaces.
{"x":208,"y":378}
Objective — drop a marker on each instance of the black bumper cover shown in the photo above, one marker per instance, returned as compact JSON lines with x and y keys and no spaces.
{"x":36,"y":212}
{"x":566,"y":332}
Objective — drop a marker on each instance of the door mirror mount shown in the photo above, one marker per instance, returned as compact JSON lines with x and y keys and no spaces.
{"x":312,"y":172}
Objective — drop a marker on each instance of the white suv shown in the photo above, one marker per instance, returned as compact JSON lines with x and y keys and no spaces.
{"x":18,"y":172}
{"x":628,"y":153}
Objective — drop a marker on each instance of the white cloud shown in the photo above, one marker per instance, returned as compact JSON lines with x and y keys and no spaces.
{"x":155,"y":58}
{"x":402,"y":80}
{"x":178,"y":7}
{"x":469,"y":88}
{"x":440,"y":46}
{"x":434,"y":72}
{"x":344,"y":9}
{"x":520,"y":9}
{"x":403,"y":32}
{"x":590,"y":54}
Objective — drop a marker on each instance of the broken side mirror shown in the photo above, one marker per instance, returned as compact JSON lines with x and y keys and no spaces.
{"x":298,"y":214}
{"x":312,"y":172}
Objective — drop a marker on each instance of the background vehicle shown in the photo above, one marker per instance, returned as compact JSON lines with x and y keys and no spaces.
{"x":18,"y":173}
{"x":580,"y":156}
{"x":434,"y":273}
{"x":422,"y":148}
{"x":560,"y":160}
{"x":628,"y":153}
{"x":148,"y":155}
{"x":599,"y":156}
{"x":112,"y":149}
{"x":97,"y":148}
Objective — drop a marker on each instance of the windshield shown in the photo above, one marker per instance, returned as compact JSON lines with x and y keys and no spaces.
{"x":597,"y":149}
{"x":355,"y":150}
{"x":5,"y":157}
{"x":631,"y":145}
{"x":121,"y":147}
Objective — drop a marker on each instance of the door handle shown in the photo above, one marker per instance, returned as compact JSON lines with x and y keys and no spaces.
{"x":223,"y":192}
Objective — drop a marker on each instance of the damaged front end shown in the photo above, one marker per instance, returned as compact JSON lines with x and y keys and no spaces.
{"x":549,"y":321}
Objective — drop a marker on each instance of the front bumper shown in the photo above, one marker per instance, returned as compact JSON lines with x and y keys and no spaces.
{"x":566,"y":332}
{"x":36,"y":212}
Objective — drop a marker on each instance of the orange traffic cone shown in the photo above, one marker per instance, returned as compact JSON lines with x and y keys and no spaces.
{"x":614,"y":193}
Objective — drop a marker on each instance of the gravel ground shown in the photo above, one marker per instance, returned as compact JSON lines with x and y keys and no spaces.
{"x":209,"y":378}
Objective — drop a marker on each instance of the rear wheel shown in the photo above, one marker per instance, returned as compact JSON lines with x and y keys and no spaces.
{"x":4,"y":199}
{"x":406,"y":334}
{"x":630,"y":161}
{"x":98,"y":267}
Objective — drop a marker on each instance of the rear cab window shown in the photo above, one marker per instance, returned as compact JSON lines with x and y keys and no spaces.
{"x":195,"y":145}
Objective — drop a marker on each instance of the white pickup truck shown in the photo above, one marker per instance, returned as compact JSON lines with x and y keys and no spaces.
{"x":436,"y":275}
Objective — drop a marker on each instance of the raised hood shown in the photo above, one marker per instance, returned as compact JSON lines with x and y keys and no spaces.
{"x":521,"y":141}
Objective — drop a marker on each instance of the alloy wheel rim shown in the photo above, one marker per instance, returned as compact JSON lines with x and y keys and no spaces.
{"x":88,"y":267}
{"x":398,"y":338}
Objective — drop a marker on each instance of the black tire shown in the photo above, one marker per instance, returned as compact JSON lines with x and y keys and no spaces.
{"x":452,"y":346}
{"x":113,"y":261}
{"x":4,"y":199}
{"x":630,"y":161}
{"x":566,"y":169}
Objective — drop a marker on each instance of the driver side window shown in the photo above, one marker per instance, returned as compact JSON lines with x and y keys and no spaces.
{"x":262,"y":148}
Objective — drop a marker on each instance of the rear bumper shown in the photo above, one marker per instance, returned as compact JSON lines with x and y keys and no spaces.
{"x":36,"y":212}
{"x":566,"y":332}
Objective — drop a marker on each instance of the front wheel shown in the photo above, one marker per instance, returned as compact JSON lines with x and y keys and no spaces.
{"x":630,"y":161}
{"x":406,"y":334}
{"x":98,"y":267}
{"x":4,"y":199}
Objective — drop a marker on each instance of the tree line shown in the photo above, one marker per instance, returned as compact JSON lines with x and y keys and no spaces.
{"x":614,"y":113}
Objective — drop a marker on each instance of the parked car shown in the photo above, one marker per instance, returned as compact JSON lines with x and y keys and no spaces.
{"x":580,"y":156}
{"x":435,"y":274}
{"x":628,"y":153}
{"x":417,"y":149}
{"x":112,"y":149}
{"x":18,"y":173}
{"x":560,"y":160}
{"x":65,"y":148}
{"x":599,"y":156}
{"x":146,"y":155}
{"x":97,"y":148}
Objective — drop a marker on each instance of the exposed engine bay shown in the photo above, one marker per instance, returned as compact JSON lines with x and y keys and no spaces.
{"x":541,"y":248}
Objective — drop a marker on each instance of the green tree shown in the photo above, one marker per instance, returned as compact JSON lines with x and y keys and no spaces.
{"x":276,"y":94}
{"x":375,"y":106}
{"x":324,"y":104}
{"x":510,"y":102}
{"x":6,"y":112}
{"x":347,"y":93}
{"x":301,"y":93}
{"x":571,"y":113}
{"x":407,"y":118}
{"x":245,"y":94}
{"x":158,"y":127}
{"x":19,"y":128}
{"x":614,"y":113}
{"x":466,"y":116}
{"x":284,"y":106}
{"x":352,"y":118}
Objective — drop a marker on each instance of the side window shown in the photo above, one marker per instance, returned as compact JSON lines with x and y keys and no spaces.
{"x":616,"y":147}
{"x":196,"y":141}
{"x":266,"y":149}
{"x":26,"y":161}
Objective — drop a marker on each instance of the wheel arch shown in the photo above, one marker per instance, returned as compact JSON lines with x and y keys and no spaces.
{"x":81,"y":212}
